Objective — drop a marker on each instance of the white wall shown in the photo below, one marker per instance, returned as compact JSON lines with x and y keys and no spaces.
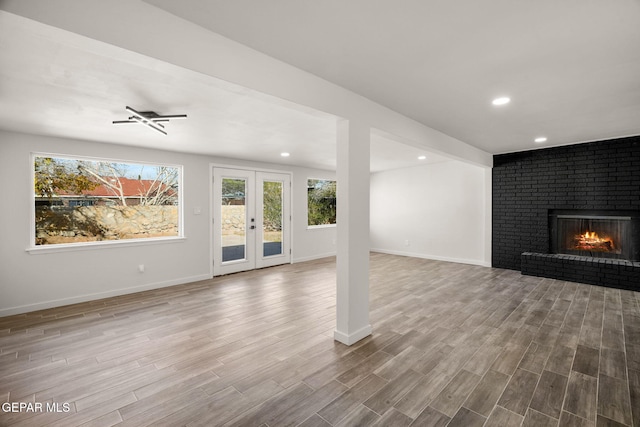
{"x":30,"y":281}
{"x":440,"y":209}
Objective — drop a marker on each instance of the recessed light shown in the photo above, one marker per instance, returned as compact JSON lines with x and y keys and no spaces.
{"x":285,"y":154}
{"x":540,"y":139}
{"x":501,"y":101}
{"x":422,"y":157}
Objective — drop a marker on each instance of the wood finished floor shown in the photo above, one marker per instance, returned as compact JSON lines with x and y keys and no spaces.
{"x":453,"y":344}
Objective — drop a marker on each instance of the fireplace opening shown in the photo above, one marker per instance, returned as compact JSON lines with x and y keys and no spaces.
{"x":600,"y":235}
{"x":593,"y":236}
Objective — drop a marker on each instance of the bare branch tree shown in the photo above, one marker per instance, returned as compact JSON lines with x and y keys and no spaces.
{"x":163,"y":189}
{"x":107,"y":174}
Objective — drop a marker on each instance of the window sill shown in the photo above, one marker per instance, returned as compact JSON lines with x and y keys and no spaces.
{"x":110,"y":244}
{"x":319,"y":227}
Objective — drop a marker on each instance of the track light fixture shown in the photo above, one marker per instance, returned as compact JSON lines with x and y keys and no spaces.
{"x":149,"y":118}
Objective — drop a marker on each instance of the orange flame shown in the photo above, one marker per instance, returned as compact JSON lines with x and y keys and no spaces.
{"x":591,"y":241}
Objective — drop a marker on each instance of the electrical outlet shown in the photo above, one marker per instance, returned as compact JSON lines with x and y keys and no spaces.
{"x":141,"y":268}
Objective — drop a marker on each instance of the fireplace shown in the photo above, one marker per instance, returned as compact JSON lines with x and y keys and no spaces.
{"x":610,"y":234}
{"x":595,"y":179}
{"x":597,"y":247}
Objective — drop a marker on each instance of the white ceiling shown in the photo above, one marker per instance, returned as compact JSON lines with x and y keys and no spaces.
{"x":572,"y":69}
{"x":55,"y":83}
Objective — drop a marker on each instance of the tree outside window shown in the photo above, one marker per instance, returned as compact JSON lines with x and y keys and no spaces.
{"x":85,"y":200}
{"x":321,"y":202}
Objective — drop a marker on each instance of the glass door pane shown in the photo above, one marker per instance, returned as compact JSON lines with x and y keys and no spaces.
{"x":234,"y":219}
{"x":273,"y":221}
{"x":272,"y":203}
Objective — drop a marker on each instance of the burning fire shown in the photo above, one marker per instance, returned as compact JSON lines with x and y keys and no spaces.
{"x":590,"y":241}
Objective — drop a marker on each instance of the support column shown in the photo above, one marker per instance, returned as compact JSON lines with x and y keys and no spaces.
{"x":352,"y":296}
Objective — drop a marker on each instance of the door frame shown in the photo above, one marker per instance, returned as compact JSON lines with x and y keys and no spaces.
{"x":212,"y":207}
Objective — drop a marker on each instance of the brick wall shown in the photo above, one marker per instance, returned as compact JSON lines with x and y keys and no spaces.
{"x":614,"y":273}
{"x":602,"y":175}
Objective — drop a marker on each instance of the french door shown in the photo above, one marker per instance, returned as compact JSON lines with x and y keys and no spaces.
{"x":251,"y":220}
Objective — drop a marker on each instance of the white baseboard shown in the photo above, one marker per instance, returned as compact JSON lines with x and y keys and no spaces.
{"x":433,"y":257}
{"x":99,"y":295}
{"x":311,"y":258}
{"x":402,"y":253}
{"x":350,"y":339}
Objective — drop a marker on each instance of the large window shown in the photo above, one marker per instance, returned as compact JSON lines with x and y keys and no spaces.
{"x":79,"y":200}
{"x":321,"y":202}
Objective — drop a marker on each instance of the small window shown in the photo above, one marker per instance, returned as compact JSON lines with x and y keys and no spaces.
{"x":321,"y":202}
{"x":79,"y":200}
